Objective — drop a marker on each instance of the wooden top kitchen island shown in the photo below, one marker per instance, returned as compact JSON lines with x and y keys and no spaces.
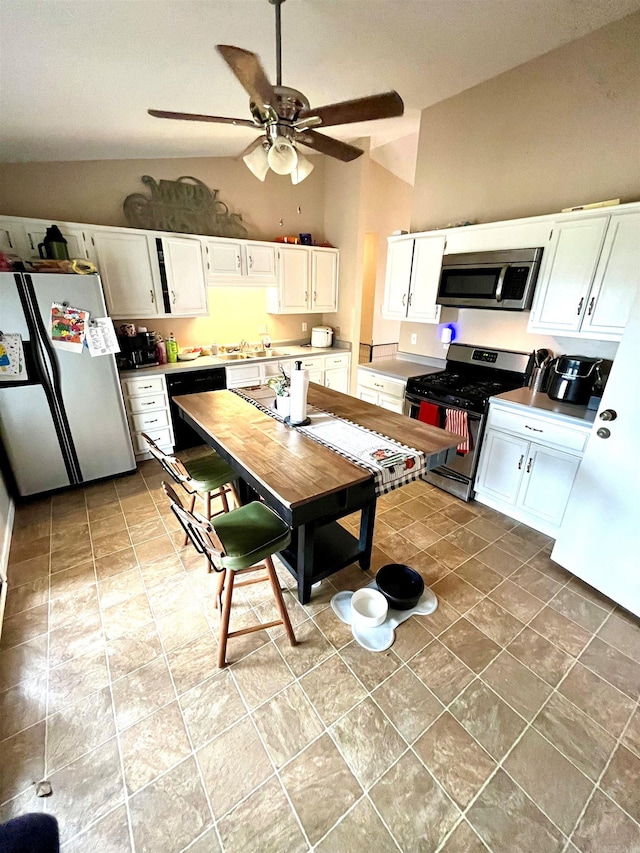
{"x":309,"y":485}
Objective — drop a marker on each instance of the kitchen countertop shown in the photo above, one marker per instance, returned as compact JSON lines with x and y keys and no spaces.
{"x":567,"y":412}
{"x":204,"y":362}
{"x":397,"y":368}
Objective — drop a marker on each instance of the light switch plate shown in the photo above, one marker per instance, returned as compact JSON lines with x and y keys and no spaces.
{"x":414,"y":338}
{"x":304,"y":327}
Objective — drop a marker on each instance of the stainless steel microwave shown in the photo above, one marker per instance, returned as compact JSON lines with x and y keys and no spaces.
{"x":502,"y":280}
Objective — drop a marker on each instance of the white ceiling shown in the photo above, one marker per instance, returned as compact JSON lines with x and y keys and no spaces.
{"x":77,"y":76}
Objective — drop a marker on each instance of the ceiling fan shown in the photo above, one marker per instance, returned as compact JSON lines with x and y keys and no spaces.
{"x":286,"y":118}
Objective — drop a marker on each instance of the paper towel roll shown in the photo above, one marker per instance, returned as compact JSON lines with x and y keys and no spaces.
{"x":298,"y":393}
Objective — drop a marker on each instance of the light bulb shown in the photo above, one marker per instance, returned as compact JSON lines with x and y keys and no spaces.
{"x":257,"y":162}
{"x":282,"y":157}
{"x":303,"y":169}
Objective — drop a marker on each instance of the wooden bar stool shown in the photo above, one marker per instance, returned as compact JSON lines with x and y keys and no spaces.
{"x":240,"y":542}
{"x":207,"y":475}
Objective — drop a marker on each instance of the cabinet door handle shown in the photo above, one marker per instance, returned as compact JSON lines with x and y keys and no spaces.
{"x":250,"y":262}
{"x":173,"y":293}
{"x":237,"y":262}
{"x":404,"y":296}
{"x":580,"y":305}
{"x":533,"y":429}
{"x":529,"y":464}
{"x":410,"y":298}
{"x":153,"y":298}
{"x":591,"y":303}
{"x":31,"y":241}
{"x":520,"y":462}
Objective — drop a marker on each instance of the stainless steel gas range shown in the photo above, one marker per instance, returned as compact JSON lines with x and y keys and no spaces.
{"x":457,"y":399}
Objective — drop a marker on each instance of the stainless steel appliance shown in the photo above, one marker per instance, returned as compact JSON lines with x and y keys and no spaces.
{"x":572,"y":377}
{"x":502,"y":280}
{"x":191,"y":382}
{"x":63,"y":421}
{"x":457,"y":397}
{"x":138,"y":350}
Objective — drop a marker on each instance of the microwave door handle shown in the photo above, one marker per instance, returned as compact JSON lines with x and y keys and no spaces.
{"x":503,"y":273}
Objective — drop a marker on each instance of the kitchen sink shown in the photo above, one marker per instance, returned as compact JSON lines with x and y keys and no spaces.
{"x":239,"y":356}
{"x":234,"y":356}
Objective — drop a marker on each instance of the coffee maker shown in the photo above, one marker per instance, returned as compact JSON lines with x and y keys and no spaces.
{"x":137,"y":350}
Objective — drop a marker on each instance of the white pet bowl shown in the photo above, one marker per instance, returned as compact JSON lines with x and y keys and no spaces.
{"x":368,"y":608}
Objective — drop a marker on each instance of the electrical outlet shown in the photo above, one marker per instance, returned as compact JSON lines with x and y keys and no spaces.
{"x":414,"y":338}
{"x":304,"y":327}
{"x":262,"y":329}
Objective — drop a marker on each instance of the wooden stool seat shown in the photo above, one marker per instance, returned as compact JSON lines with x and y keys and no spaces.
{"x":238,"y":542}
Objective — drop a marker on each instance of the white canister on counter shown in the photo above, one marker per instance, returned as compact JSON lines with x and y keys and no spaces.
{"x":298,"y":393}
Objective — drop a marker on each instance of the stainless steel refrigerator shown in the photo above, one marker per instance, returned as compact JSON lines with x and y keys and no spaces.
{"x":62,"y":421}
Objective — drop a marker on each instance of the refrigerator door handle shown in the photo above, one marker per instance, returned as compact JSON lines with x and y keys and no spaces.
{"x":47,"y":368}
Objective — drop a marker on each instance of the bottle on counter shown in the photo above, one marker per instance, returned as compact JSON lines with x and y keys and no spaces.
{"x":161,"y":350}
{"x":172,"y":349}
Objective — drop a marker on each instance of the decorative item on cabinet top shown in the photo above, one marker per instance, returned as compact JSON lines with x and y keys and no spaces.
{"x":186,"y":206}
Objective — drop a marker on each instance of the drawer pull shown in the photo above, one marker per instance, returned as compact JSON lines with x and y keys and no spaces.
{"x":148,"y":404}
{"x":144,"y":387}
{"x":375,"y":385}
{"x":533,"y":429}
{"x":529,"y":464}
{"x":520,"y":462}
{"x":154,"y":421}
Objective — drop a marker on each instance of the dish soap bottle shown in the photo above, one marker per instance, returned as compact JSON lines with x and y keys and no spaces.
{"x":161,"y":350}
{"x":172,"y":349}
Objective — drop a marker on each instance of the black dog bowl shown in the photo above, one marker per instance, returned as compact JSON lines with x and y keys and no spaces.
{"x":400,"y":585}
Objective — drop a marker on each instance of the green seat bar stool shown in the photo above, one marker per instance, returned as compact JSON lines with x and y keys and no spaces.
{"x":237,"y":543}
{"x":207,"y":475}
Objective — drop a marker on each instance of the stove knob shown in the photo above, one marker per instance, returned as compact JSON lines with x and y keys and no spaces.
{"x":603,"y":432}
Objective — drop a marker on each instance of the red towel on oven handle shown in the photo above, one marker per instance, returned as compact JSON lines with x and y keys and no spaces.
{"x":429,"y":413}
{"x":458,"y":422}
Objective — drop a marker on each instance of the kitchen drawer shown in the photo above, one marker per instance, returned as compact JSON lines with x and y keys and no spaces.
{"x":144,"y":404}
{"x":151,"y":420}
{"x":243,"y":376}
{"x":538,"y":429}
{"x":381,"y":384}
{"x":341,"y":360}
{"x":149,"y":385}
{"x":311,"y":363}
{"x":162,"y":438}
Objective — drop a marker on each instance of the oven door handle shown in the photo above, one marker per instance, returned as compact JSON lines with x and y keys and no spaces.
{"x":500,"y":284}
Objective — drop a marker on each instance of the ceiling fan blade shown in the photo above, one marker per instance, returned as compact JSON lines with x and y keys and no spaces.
{"x":242,"y":122}
{"x":327,"y":145}
{"x":386,"y":105}
{"x":250,"y":73}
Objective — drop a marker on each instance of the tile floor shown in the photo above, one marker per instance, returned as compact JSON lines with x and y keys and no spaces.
{"x":507,"y":720}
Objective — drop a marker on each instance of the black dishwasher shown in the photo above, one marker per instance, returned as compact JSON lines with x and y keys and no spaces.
{"x":191,"y":382}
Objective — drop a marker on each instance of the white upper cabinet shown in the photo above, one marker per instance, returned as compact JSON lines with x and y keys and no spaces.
{"x":147,"y":274}
{"x":589,"y":276}
{"x":127,"y":263}
{"x":185,"y":285}
{"x":10,"y":233}
{"x":239,"y":262}
{"x":24,"y":236}
{"x":307,"y":281}
{"x":617,"y":278}
{"x":412,"y":278}
{"x":324,"y":280}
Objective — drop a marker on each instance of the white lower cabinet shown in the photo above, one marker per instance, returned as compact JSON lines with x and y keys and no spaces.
{"x":529,"y":480}
{"x":381,"y":391}
{"x":332,"y":371}
{"x":147,"y":404}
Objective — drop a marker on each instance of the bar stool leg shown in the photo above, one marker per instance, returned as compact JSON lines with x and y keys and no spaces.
{"x":235,"y":493}
{"x":224,"y":620}
{"x":277,"y":592}
{"x":192,"y":503}
{"x":219,"y":587}
{"x":223,"y":498}
{"x":207,"y":505}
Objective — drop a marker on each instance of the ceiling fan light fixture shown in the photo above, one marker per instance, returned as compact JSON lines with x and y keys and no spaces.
{"x":303,"y":169}
{"x":282,"y":157}
{"x":257,"y":162}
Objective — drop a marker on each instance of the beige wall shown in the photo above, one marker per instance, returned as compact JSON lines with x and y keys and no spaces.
{"x":559,"y":131}
{"x":93,"y":191}
{"x":388,"y":209}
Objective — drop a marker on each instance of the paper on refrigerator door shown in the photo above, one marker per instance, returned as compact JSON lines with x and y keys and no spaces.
{"x":67,"y":327}
{"x":12,"y":366}
{"x":101,"y":337}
